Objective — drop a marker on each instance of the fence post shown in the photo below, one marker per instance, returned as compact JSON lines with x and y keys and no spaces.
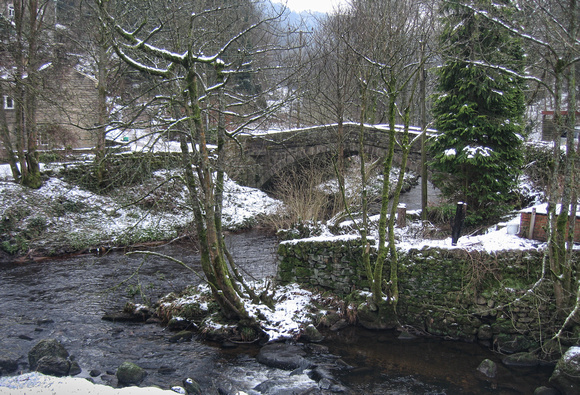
{"x":458,"y":222}
{"x":532,"y":224}
{"x":401,"y":215}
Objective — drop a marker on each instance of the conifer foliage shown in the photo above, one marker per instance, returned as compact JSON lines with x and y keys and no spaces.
{"x":478,"y":111}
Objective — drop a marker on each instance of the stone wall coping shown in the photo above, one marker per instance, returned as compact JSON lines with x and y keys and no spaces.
{"x":329,"y":238}
{"x":543,"y":209}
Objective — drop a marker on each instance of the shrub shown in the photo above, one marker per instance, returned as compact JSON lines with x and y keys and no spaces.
{"x":35,"y":227}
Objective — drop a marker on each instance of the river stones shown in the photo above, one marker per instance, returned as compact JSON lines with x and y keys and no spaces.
{"x":8,"y":362}
{"x":283,"y":356}
{"x":130,"y":374}
{"x":50,"y":357}
{"x":566,"y":376}
{"x":522,"y":359}
{"x":311,"y":334}
{"x":191,"y":387}
{"x":488,"y":368}
{"x":53,"y":365}
{"x":181,"y":336}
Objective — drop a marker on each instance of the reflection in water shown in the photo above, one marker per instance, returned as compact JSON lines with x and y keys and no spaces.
{"x":66,"y":298}
{"x":425,"y":366}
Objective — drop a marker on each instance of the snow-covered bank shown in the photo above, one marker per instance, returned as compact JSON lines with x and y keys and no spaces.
{"x":40,"y":384}
{"x":60,"y":217}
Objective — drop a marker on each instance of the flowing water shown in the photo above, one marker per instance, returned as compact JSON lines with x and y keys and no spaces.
{"x":66,"y":298}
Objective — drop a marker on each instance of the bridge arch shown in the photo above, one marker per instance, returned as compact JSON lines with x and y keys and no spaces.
{"x":267,"y":156}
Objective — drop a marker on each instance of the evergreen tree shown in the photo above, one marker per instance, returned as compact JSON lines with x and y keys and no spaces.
{"x":479,"y":111}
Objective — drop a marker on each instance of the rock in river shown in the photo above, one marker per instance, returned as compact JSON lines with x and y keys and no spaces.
{"x":130,"y":374}
{"x":50,"y":357}
{"x":566,"y":376}
{"x":283,"y":356}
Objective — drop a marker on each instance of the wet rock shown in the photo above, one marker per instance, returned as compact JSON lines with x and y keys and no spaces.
{"x":46,"y":348}
{"x":178,"y":324}
{"x":318,"y":373}
{"x":123,"y":316}
{"x":8,"y":362}
{"x":488,"y":368}
{"x":130,"y":374}
{"x":317,"y":348}
{"x":75,"y":369}
{"x":53,"y":365}
{"x":566,"y":376}
{"x":511,"y":343}
{"x":166,"y":370}
{"x":484,"y":332}
{"x":341,"y":324}
{"x":191,"y":386}
{"x":311,"y":334}
{"x":283,"y":356}
{"x":333,"y":387}
{"x":546,"y":391}
{"x":522,"y":359}
{"x":25,"y":337}
{"x":326,"y":380}
{"x":179,"y":390}
{"x":109,"y":380}
{"x":182,"y":336}
{"x":281,"y":386}
{"x":95,"y":373}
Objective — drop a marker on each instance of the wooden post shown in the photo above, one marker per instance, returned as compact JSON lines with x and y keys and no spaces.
{"x":532,"y":224}
{"x":458,"y":222}
{"x":401,"y":215}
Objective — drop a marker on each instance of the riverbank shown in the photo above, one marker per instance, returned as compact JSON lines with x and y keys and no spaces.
{"x":60,"y":218}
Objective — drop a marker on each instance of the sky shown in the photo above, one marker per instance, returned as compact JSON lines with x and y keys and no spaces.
{"x":313,"y":5}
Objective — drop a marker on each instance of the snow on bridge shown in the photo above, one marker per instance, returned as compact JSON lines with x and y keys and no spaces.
{"x":267,"y":154}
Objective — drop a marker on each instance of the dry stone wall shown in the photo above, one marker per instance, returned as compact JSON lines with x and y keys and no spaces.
{"x":469,"y":295}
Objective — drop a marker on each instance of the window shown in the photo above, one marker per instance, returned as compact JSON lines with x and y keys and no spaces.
{"x":10,"y":10}
{"x":43,"y":139}
{"x":8,"y":103}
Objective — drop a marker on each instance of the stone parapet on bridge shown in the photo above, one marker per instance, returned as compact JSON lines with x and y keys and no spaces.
{"x":265,"y":156}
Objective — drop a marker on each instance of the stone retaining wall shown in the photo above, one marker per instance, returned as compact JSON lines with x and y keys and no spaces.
{"x":470,"y":295}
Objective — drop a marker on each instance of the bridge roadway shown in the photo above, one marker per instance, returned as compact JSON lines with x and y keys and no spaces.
{"x":267,"y":155}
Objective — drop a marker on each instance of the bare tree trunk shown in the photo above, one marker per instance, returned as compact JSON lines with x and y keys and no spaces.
{"x":6,"y":140}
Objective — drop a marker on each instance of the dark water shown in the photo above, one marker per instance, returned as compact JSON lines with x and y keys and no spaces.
{"x":66,"y":298}
{"x":426,"y":366}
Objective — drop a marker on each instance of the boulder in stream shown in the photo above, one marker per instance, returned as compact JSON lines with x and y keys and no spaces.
{"x":130,"y":374}
{"x":522,"y":359}
{"x":488,"y":368}
{"x":283,"y":356}
{"x":311,"y":334}
{"x":8,"y":362}
{"x":566,"y":376}
{"x":50,"y":357}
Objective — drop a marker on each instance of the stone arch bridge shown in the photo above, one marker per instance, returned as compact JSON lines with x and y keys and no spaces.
{"x":267,"y":155}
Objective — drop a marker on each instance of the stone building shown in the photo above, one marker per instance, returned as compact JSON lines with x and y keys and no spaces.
{"x":66,"y":98}
{"x":67,"y":103}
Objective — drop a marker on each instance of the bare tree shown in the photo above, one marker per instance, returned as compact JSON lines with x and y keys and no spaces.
{"x":388,"y":38}
{"x":26,"y":41}
{"x":196,"y":54}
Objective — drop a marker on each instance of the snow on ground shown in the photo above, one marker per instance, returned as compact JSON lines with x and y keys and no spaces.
{"x":39,"y":384}
{"x":290,"y":315}
{"x":66,"y":207}
{"x":286,"y":321}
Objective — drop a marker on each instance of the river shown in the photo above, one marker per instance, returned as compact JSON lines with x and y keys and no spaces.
{"x":66,"y":299}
